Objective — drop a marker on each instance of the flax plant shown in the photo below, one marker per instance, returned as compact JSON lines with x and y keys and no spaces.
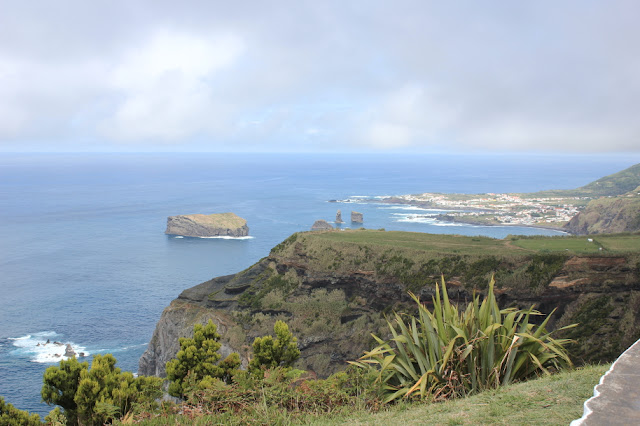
{"x":449,"y":353}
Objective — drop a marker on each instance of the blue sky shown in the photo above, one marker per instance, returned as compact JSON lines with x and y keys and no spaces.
{"x":320,"y":76}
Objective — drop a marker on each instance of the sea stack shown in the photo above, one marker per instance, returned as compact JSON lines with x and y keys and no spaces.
{"x":356,"y":217}
{"x":321,"y":225}
{"x":69,"y":352}
{"x":339,"y":217}
{"x":203,"y":225}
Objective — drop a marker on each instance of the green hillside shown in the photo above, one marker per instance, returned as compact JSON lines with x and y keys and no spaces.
{"x":615,"y":184}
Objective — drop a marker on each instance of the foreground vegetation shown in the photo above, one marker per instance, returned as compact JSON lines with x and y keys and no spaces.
{"x":444,"y":354}
{"x":550,"y":400}
{"x":448,"y":353}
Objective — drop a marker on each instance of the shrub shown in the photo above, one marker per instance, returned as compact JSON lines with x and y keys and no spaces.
{"x":11,"y":416}
{"x":96,"y":395}
{"x":196,"y":360}
{"x":447,"y":353}
{"x":279,"y":352}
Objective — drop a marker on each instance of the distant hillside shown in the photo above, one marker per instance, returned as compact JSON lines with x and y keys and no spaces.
{"x":608,"y":215}
{"x":616,"y":184}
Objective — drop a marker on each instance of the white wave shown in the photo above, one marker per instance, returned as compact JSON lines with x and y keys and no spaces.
{"x":403,"y":207}
{"x":226,"y":237}
{"x":428,"y":220}
{"x":44,"y":347}
{"x":414,"y":208}
{"x":445,"y":223}
{"x":415,"y":219}
{"x":178,"y":236}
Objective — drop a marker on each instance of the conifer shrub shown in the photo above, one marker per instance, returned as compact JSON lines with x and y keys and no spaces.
{"x":450,"y":353}
{"x":271,"y":353}
{"x":197,"y":360}
{"x":11,"y":416}
{"x":98,"y":394}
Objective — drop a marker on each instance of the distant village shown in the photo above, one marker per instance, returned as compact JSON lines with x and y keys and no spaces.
{"x":508,"y":209}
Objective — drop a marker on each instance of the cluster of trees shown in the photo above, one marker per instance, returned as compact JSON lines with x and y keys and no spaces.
{"x":198,"y":365}
{"x":100,"y":393}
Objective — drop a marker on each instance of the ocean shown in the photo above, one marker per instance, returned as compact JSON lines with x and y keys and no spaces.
{"x":84,"y":259}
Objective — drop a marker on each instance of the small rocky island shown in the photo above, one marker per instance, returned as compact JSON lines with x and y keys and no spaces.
{"x":211,"y":225}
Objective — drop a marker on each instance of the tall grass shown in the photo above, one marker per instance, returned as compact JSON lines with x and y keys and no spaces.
{"x":450,"y":353}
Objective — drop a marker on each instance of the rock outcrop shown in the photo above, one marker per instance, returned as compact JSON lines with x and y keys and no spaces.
{"x":69,"y":352}
{"x":212,"y":225}
{"x":357,"y":217}
{"x":608,"y":215}
{"x":333,"y":295}
{"x":321,"y":225}
{"x":339,"y":217}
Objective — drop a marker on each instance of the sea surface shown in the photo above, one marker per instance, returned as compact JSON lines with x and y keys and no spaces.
{"x":84,"y":259}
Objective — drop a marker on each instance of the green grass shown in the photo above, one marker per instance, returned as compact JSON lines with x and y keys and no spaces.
{"x":550,"y":400}
{"x":418,"y":241}
{"x":581,"y":244}
{"x":573,"y":244}
{"x":622,"y":242}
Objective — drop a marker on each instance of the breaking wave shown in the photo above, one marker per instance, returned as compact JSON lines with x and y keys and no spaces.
{"x":44,"y":347}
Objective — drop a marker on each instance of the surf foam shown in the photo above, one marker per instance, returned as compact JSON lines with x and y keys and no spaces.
{"x":35,"y":347}
{"x":226,"y":237}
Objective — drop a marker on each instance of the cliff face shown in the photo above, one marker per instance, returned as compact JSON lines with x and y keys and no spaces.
{"x":608,"y":215}
{"x":334,"y":295}
{"x":213,"y":225}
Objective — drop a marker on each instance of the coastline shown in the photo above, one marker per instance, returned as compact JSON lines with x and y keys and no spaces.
{"x":403,"y":201}
{"x":471,"y":222}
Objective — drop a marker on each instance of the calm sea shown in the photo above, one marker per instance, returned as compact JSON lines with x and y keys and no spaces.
{"x":83,"y":257}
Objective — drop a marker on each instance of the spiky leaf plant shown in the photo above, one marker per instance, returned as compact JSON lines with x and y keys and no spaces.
{"x":450,"y":353}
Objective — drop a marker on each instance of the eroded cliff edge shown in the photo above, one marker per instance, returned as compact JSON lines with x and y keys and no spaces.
{"x":608,"y":215}
{"x":334,"y":289}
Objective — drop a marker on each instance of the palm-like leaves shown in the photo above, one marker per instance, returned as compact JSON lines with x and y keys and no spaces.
{"x":449,"y":353}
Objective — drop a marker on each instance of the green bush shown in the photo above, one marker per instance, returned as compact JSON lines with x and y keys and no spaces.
{"x":99,"y":394}
{"x":281,"y":396}
{"x":279,"y":352}
{"x":197,"y":360}
{"x":11,"y":416}
{"x":447,"y":353}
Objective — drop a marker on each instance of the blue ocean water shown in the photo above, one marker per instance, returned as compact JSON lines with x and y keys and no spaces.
{"x":83,"y":257}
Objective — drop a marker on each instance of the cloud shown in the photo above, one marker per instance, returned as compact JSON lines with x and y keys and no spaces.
{"x":415,"y":75}
{"x":168,"y":87}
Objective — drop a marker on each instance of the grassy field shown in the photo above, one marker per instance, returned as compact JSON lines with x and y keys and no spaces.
{"x":419,"y":241}
{"x":581,"y":244}
{"x":483,"y":245}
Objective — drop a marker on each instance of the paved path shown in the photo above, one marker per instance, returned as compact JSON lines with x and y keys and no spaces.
{"x":616,"y":399}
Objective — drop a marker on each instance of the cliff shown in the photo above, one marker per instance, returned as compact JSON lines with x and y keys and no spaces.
{"x":608,"y":215}
{"x":335,"y":288}
{"x":213,"y":225}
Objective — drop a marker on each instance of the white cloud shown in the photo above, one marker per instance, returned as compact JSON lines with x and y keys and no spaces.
{"x":168,"y":86}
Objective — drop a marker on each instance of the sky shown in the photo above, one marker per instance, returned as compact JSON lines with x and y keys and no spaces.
{"x":320,"y":76}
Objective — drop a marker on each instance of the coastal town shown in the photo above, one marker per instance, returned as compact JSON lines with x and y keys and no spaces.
{"x":494,"y":209}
